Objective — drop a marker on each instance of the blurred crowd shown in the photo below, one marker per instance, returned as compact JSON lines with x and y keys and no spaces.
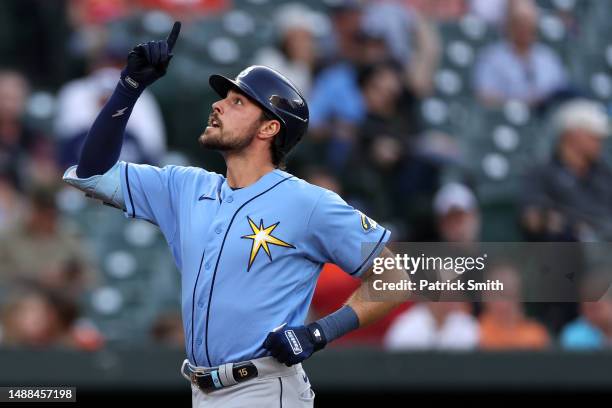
{"x":373,"y":74}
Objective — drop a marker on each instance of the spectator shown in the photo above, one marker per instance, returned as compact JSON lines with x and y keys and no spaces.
{"x":382,"y":141}
{"x":457,"y":222}
{"x":390,"y":110}
{"x":335,"y":95}
{"x":518,"y":67}
{"x":337,"y":106}
{"x":439,"y":10}
{"x":340,"y":44}
{"x":187,"y":10}
{"x":592,"y":330}
{"x":373,"y":41}
{"x":570,"y":197}
{"x":83,"y":13}
{"x":384,"y":170}
{"x":296,"y":53}
{"x":411,"y":39}
{"x":80,"y":100}
{"x":167,"y":330}
{"x":503,"y":323}
{"x":491,"y":11}
{"x":88,"y":21}
{"x":41,"y":251}
{"x":321,"y":177}
{"x":11,"y":203}
{"x":434,"y":325}
{"x":443,"y":325}
{"x":39,"y":318}
{"x":458,"y":215}
{"x":25,"y":155}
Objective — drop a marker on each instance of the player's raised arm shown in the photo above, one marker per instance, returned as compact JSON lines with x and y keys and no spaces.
{"x":97,"y":173}
{"x":145,"y":64}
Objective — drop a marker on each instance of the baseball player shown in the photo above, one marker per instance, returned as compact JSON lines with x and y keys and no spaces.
{"x":249,"y":245}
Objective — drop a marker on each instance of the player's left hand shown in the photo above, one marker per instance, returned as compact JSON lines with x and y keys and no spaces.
{"x":292,"y":345}
{"x":149,"y":61}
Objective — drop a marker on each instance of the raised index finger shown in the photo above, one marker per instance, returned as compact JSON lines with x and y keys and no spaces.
{"x":176,"y":29}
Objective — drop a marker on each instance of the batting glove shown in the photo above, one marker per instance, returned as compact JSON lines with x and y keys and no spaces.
{"x":292,"y":345}
{"x":148,"y":62}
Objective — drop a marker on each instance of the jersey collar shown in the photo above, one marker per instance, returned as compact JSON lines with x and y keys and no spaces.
{"x":265,"y":182}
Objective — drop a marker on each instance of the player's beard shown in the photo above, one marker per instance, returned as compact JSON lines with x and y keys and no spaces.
{"x":228,"y":142}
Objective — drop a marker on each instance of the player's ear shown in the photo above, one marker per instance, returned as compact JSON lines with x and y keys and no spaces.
{"x":269,"y":128}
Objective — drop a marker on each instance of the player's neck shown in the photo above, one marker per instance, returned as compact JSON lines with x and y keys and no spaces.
{"x":242,"y":171}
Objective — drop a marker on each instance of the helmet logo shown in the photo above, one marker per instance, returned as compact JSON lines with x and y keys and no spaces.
{"x":284,"y":103}
{"x":244,"y":72}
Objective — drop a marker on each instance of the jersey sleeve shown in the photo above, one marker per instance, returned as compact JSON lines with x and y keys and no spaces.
{"x":153,"y":194}
{"x":345,"y":236}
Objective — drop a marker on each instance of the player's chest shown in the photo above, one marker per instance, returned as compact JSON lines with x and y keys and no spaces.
{"x":245,"y":235}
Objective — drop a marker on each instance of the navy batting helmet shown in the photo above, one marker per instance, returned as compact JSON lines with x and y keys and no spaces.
{"x":276,"y":95}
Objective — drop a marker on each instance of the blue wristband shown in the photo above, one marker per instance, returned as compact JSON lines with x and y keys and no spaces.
{"x":339,"y":323}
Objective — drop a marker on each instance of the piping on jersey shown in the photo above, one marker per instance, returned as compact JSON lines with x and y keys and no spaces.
{"x":280,"y":380}
{"x":212,"y":284}
{"x":193,"y":307}
{"x":371,"y":253}
{"x":127,"y":182}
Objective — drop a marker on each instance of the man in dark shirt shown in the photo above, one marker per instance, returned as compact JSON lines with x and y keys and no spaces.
{"x":570,"y":197}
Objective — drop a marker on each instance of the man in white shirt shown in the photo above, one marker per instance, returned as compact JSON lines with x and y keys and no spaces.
{"x":434,"y":325}
{"x":519,"y":67}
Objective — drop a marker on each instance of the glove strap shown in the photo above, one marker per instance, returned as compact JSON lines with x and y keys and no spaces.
{"x":129,"y":86}
{"x":317,"y":336}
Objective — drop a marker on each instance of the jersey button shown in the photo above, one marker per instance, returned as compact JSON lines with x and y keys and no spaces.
{"x":207,"y":266}
{"x":218,"y":230}
{"x":200,"y":305}
{"x":199,"y":342}
{"x":230,"y":199}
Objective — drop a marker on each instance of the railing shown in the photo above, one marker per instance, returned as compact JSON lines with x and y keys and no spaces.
{"x":332,"y":370}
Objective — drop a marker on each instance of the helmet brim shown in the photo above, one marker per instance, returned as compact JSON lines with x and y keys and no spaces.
{"x":222,"y":85}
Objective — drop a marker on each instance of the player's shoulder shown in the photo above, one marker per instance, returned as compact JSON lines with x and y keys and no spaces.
{"x":192,"y":171}
{"x":196,"y":178}
{"x":177,"y":171}
{"x":187,"y":180}
{"x":304,"y":191}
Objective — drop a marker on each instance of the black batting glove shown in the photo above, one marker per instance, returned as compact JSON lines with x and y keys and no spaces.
{"x":148,"y":62}
{"x":292,"y":345}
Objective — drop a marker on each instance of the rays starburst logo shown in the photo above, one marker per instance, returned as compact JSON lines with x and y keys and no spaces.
{"x":262,"y":238}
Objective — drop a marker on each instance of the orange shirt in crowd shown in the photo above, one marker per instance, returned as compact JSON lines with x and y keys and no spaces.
{"x":525,"y":334}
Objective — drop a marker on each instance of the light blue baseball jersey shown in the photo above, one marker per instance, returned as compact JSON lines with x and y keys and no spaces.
{"x":249,"y":258}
